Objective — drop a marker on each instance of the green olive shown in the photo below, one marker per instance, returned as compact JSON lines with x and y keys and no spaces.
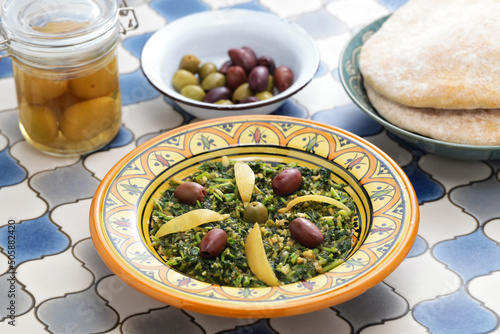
{"x":190,"y":63}
{"x":194,"y":92}
{"x":242,"y":92}
{"x":183,"y":78}
{"x":206,"y":69}
{"x":255,"y":212}
{"x":270,"y":84}
{"x":213,"y":80}
{"x":264,"y":95}
{"x":224,"y":101}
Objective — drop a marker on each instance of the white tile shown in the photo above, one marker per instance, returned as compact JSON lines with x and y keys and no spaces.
{"x":450,"y":173}
{"x":73,"y":219}
{"x":422,"y":278}
{"x":396,"y":152}
{"x":323,"y":93}
{"x":441,"y":220}
{"x":124,"y":299}
{"x":4,"y":143}
{"x":17,"y":209}
{"x":330,"y":49}
{"x":492,"y":230}
{"x":54,"y":276}
{"x":150,"y":117}
{"x":36,"y":161}
{"x":99,"y":163}
{"x":319,"y":322}
{"x":406,"y":324}
{"x":24,"y":323}
{"x":485,"y":289}
{"x":349,"y":11}
{"x":291,"y":8}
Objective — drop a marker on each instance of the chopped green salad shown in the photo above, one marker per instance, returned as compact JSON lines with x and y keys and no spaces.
{"x":224,"y":262}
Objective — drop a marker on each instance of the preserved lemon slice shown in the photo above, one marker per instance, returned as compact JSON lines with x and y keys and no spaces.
{"x":189,"y":220}
{"x":245,"y":181}
{"x":257,"y":259}
{"x":315,"y":198}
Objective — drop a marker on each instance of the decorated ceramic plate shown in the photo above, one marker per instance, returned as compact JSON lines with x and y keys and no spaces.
{"x":352,"y":81}
{"x":386,"y":212}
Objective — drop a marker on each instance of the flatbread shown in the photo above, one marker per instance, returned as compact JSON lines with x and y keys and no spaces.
{"x":481,"y":127}
{"x":437,"y":54}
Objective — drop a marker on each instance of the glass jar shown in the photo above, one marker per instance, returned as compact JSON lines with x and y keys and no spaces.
{"x":64,"y":61}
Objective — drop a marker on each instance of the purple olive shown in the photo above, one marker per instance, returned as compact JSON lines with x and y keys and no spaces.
{"x":225,"y":66}
{"x":305,"y":233}
{"x":258,"y":78}
{"x":250,"y":99}
{"x":242,"y":58}
{"x":213,"y":243}
{"x":267,"y":62}
{"x":218,"y":93}
{"x":235,"y":76}
{"x":190,"y":193}
{"x":251,"y":52}
{"x":283,"y":78}
{"x":287,"y":182}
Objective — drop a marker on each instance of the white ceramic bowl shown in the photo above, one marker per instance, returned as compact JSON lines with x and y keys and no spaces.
{"x":208,"y":36}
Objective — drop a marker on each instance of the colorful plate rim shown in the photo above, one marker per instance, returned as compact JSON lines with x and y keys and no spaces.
{"x":351,"y":80}
{"x":117,"y":236}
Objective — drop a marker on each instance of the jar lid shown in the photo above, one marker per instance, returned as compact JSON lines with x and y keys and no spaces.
{"x":58,"y":23}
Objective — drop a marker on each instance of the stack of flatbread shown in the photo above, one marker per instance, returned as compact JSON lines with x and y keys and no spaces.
{"x":433,"y":68}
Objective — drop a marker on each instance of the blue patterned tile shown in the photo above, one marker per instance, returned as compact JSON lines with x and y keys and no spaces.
{"x":166,"y":320}
{"x":470,"y":255}
{"x":5,"y":68}
{"x":12,"y":173}
{"x":350,"y":118}
{"x":455,"y":313}
{"x":252,"y":5}
{"x":290,"y":108}
{"x":415,"y":150}
{"x":122,"y":138}
{"x":82,"y":312}
{"x":135,"y":44}
{"x":174,"y":9}
{"x":425,"y":187}
{"x":321,"y":24}
{"x":418,"y":248}
{"x":136,"y":88}
{"x":260,"y":326}
{"x":65,"y":185}
{"x":374,"y":306}
{"x":393,"y":4}
{"x":479,"y":199}
{"x":323,"y":70}
{"x":336,"y":74}
{"x":35,"y":239}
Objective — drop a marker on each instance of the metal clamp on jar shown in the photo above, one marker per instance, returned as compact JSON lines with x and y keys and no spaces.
{"x":64,"y":59}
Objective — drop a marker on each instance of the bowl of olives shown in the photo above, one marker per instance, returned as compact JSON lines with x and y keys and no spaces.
{"x":230,"y":62}
{"x":209,"y":218}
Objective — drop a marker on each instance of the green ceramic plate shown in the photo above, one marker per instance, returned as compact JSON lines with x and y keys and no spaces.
{"x":353,"y":84}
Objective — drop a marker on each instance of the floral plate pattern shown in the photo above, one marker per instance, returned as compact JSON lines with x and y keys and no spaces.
{"x":386,"y":203}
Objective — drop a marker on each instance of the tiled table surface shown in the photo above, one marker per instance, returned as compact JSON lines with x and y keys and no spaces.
{"x":449,"y":283}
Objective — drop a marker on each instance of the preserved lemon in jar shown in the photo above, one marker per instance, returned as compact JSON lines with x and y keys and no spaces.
{"x":64,"y":61}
